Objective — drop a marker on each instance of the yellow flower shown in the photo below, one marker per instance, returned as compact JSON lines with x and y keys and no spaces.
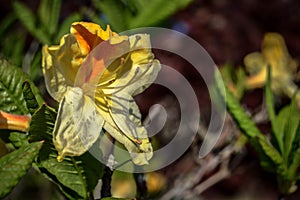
{"x":274,"y":53}
{"x":94,"y":74}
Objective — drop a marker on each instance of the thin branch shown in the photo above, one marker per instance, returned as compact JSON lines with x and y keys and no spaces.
{"x":106,"y":181}
{"x":141,"y":186}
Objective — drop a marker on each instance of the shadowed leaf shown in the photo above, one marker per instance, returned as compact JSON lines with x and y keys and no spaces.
{"x":14,"y":166}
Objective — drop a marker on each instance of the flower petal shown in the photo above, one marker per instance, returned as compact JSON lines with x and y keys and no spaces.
{"x":89,"y":35}
{"x":60,"y":65}
{"x":140,"y":154}
{"x":103,"y":62}
{"x":139,"y":71}
{"x":77,"y":126}
{"x":123,"y":122}
{"x":127,"y":117}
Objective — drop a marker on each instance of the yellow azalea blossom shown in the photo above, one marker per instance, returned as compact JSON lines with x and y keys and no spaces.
{"x":274,"y":53}
{"x":94,"y":73}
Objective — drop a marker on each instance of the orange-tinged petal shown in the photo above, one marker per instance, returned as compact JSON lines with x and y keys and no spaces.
{"x":258,"y":80}
{"x":14,"y":122}
{"x":89,"y":35}
{"x":104,"y":61}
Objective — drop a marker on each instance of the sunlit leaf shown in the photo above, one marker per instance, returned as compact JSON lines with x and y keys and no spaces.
{"x":11,"y":80}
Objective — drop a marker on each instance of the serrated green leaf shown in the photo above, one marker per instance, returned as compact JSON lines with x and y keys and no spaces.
{"x":152,"y":12}
{"x":76,"y":176}
{"x":272,"y":153}
{"x":29,"y":97}
{"x":14,"y":166}
{"x":265,"y":162}
{"x":11,"y":80}
{"x":237,"y":112}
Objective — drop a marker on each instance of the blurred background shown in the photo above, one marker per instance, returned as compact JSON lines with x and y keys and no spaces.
{"x":228,"y":30}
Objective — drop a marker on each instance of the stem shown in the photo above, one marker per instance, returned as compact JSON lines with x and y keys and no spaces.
{"x":285,"y":186}
{"x":141,"y":186}
{"x":106,"y":180}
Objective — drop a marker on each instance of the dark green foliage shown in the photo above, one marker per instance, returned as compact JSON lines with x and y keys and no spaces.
{"x":14,"y":166}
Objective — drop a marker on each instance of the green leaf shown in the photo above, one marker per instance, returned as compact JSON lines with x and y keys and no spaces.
{"x":54,"y":15}
{"x":290,"y":130}
{"x":14,"y":166}
{"x":269,"y":98}
{"x":25,"y":15}
{"x":18,"y":139}
{"x":294,"y":155}
{"x":7,"y":22}
{"x":237,"y":112}
{"x":15,"y":53}
{"x":273,"y":154}
{"x":277,"y":136}
{"x":48,"y":13}
{"x":44,"y":14}
{"x":28,"y":19}
{"x":29,"y":97}
{"x":152,"y":12}
{"x":11,"y":80}
{"x":115,"y":11}
{"x":76,"y":176}
{"x":35,"y":69}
